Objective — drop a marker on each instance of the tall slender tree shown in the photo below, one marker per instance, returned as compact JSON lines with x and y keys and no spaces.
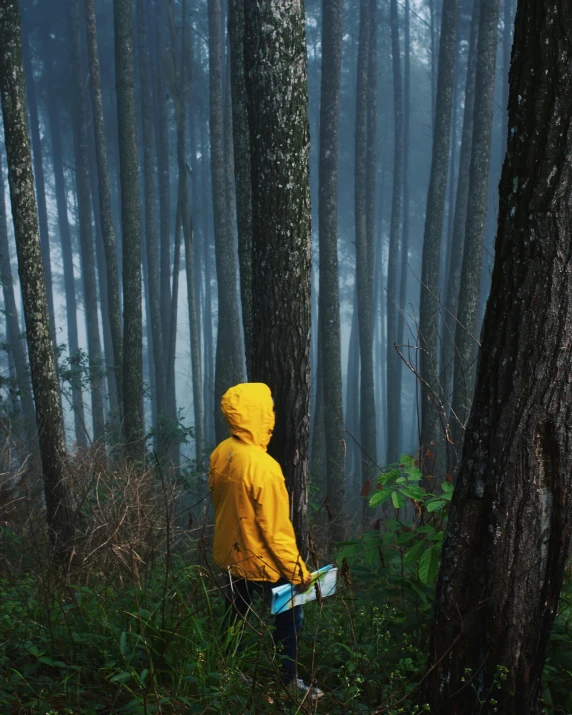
{"x":55,"y":117}
{"x":81,"y":144}
{"x":228,"y":368}
{"x":392,"y":362}
{"x":364,"y":248}
{"x":104,"y":202}
{"x":329,"y":310}
{"x":131,"y":229}
{"x":40,"y":348}
{"x":460,"y":217}
{"x":508,"y":537}
{"x":14,"y":338}
{"x":276,"y":85}
{"x":242,"y":169}
{"x":432,"y":426}
{"x":467,"y":315}
{"x":154,"y":296}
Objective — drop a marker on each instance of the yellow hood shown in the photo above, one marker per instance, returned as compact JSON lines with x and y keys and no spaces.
{"x":249,"y":412}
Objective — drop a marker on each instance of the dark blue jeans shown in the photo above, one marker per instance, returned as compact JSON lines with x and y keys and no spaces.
{"x":240,"y":594}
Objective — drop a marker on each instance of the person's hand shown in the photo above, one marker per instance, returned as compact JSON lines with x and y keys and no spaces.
{"x":303,"y":586}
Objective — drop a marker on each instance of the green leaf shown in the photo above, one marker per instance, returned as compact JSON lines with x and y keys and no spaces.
{"x":413,"y":554}
{"x":123,"y":643}
{"x":389,"y":477}
{"x":425,"y":529}
{"x":447,"y":487}
{"x":414,"y":492}
{"x":393,"y":525}
{"x":398,"y":500}
{"x":405,"y":537}
{"x":414,"y":474}
{"x":437,"y":505}
{"x":429,"y":565}
{"x":379,"y":497}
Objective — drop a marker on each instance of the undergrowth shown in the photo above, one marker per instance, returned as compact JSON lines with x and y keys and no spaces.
{"x":134,"y":624}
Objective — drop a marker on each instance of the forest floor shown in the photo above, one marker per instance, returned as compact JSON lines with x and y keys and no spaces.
{"x":135,"y":626}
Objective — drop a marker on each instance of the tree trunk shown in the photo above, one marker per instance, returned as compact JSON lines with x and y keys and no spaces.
{"x":103,"y":293}
{"x":131,"y":230}
{"x":404,"y":268}
{"x":329,"y":301}
{"x":228,"y":368}
{"x":40,"y":181}
{"x":508,"y":538}
{"x":432,"y":400}
{"x":208,"y":316}
{"x":188,"y":236}
{"x":81,"y":146}
{"x":276,"y":85}
{"x":55,"y":117}
{"x":242,"y":169}
{"x":163,"y":176}
{"x":364,"y":250}
{"x":352,"y":404}
{"x":154,"y":295}
{"x":393,"y":360}
{"x":32,"y":281}
{"x":460,"y":218}
{"x":15,"y":345}
{"x":104,"y":194}
{"x":508,"y":19}
{"x":466,"y":329}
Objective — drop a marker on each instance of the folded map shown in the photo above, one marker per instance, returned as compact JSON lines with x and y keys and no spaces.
{"x":282,"y":598}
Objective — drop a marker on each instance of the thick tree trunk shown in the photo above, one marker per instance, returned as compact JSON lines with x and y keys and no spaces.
{"x":55,"y":117}
{"x":32,"y":281}
{"x":154,"y":295}
{"x":508,"y":537}
{"x":228,"y":368}
{"x":329,"y":301}
{"x":508,"y":19}
{"x":81,"y":147}
{"x":242,"y":169}
{"x":467,"y":315}
{"x":131,"y":230}
{"x":432,"y":399}
{"x":104,"y":195}
{"x":276,"y":84}
{"x":393,"y":360}
{"x":352,"y":404}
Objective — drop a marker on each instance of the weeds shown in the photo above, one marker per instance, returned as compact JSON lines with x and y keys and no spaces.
{"x":134,"y":625}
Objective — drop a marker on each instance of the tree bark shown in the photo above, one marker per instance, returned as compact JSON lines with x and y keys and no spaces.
{"x":55,"y":116}
{"x":508,"y":536}
{"x":13,"y":336}
{"x":432,"y":399}
{"x":460,"y":218}
{"x":393,"y":361}
{"x":467,"y":315}
{"x":81,"y":147}
{"x":364,"y":248}
{"x":40,"y":181}
{"x":154,"y":295}
{"x":104,"y":195}
{"x":189,"y":254}
{"x":242,"y":169}
{"x":228,"y":367}
{"x":329,"y":301}
{"x":131,"y":230}
{"x":32,"y":281}
{"x":276,"y":85}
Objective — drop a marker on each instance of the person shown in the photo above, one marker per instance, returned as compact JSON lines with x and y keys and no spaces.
{"x":254,"y":540}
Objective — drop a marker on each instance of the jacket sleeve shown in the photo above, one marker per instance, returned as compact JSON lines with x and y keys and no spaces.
{"x":272,"y":516}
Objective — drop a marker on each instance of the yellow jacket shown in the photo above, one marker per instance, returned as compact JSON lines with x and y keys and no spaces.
{"x":253,"y":535}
